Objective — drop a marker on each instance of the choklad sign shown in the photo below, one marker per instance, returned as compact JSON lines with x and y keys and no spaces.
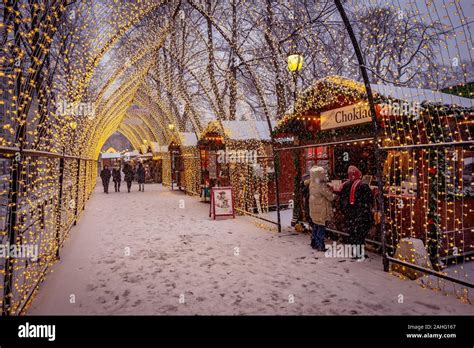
{"x":345,"y":116}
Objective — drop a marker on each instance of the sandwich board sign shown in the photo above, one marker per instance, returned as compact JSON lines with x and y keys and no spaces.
{"x":222,"y":202}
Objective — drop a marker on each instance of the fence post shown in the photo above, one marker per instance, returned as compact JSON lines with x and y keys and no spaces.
{"x":297,"y":194}
{"x":276,"y":164}
{"x":86,"y":179}
{"x":59,"y":208}
{"x":17,"y":168}
{"x":77,"y":190}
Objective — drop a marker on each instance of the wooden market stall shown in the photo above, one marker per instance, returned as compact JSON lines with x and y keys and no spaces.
{"x":111,"y":159}
{"x":426,"y":157}
{"x":239,"y":154}
{"x":156,"y":168}
{"x":152,"y":164}
{"x":191,"y":162}
{"x":181,"y":163}
{"x":177,"y":165}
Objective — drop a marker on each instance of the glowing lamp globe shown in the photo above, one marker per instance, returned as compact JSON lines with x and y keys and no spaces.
{"x":295,"y":62}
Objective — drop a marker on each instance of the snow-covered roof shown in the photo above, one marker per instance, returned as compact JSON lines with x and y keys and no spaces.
{"x":244,"y":130}
{"x":146,"y":155}
{"x":408,"y":94}
{"x":133,"y":153}
{"x":419,"y":95}
{"x":156,"y":148}
{"x":188,"y":139}
{"x":109,"y":155}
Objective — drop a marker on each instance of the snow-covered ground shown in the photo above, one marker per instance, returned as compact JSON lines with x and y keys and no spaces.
{"x":144,"y":253}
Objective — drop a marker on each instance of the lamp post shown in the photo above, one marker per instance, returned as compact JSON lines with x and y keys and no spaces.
{"x":71,"y":125}
{"x":171,"y":128}
{"x":295,"y":63}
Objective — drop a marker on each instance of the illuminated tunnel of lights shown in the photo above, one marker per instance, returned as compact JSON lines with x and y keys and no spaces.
{"x":73,"y":73}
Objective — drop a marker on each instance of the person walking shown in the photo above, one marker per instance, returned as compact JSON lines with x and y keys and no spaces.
{"x":141,"y":177}
{"x":105,"y":175}
{"x":116,"y":177}
{"x":320,"y":205}
{"x":357,"y":200}
{"x":128,"y":175}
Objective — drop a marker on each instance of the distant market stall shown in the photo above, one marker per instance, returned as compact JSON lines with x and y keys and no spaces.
{"x":239,"y":154}
{"x":110,"y":158}
{"x":156,"y":170}
{"x":181,"y":163}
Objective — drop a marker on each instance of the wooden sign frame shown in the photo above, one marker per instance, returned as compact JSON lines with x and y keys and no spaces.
{"x":212,"y":208}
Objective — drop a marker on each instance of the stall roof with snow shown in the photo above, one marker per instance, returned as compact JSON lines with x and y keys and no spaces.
{"x":240,"y":130}
{"x":110,"y":155}
{"x":324,"y":93}
{"x":157,"y":148}
{"x":133,"y":153}
{"x":336,"y":108}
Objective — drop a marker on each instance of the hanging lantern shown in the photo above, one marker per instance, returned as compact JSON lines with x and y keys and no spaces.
{"x":295,"y":62}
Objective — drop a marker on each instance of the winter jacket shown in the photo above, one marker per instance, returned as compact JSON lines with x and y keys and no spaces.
{"x":128,"y":172}
{"x":141,"y":174}
{"x":360,"y":212}
{"x":105,"y":175}
{"x":116,"y":175}
{"x":320,"y":197}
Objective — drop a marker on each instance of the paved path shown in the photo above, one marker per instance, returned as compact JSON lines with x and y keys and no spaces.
{"x":141,"y":253}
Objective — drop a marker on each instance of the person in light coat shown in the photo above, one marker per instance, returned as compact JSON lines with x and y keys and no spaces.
{"x":320,"y":205}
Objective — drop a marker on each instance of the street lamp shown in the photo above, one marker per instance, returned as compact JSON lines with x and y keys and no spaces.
{"x":295,"y":63}
{"x":171,"y":127}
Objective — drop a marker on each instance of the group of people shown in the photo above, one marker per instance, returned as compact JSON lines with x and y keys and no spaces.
{"x":130,"y":173}
{"x":356,"y":202}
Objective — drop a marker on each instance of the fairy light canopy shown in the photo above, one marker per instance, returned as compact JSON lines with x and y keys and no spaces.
{"x":72,"y":73}
{"x":184,"y":63}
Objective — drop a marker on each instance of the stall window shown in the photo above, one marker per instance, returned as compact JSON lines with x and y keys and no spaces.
{"x":318,"y":156}
{"x":400,"y":172}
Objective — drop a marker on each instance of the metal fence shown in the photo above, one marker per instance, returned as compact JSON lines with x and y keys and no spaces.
{"x":42,"y":197}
